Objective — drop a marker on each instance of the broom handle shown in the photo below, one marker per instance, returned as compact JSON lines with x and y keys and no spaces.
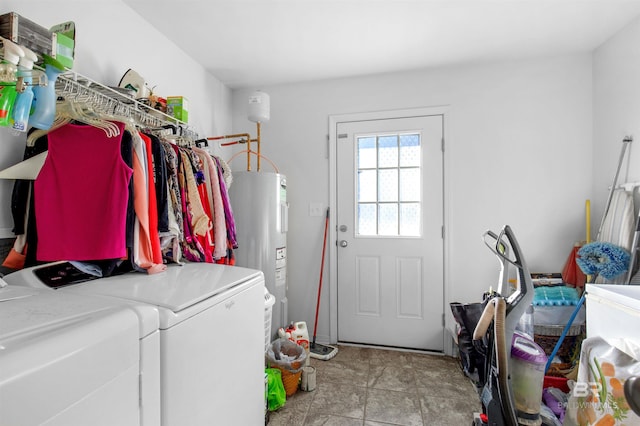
{"x":324,"y":246}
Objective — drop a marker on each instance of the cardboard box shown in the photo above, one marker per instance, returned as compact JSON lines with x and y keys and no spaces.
{"x":65,"y":43}
{"x":178,"y":107}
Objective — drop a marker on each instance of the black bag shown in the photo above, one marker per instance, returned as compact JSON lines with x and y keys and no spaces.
{"x":471,"y":359}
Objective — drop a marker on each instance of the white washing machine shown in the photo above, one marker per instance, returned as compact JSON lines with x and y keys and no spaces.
{"x":211,"y":325}
{"x":68,"y":360}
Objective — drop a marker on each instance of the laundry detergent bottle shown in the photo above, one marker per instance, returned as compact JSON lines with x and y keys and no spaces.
{"x":22,"y":105}
{"x":44,"y":97}
{"x":298,"y":333}
{"x":8,"y":78}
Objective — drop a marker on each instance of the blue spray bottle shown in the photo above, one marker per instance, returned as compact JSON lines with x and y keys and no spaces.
{"x":22,"y":105}
{"x":8,"y":78}
{"x":44,"y":97}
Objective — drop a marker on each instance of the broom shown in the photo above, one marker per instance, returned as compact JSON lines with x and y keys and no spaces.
{"x":316,"y":350}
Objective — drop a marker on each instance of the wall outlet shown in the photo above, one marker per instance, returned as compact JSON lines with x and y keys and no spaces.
{"x":316,"y":209}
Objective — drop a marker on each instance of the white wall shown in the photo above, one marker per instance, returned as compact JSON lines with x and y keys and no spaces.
{"x":616,"y":99}
{"x":110,"y":39}
{"x":518,"y":152}
{"x":519,"y":137}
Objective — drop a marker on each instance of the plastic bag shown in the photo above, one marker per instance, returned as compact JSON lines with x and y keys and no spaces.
{"x":276,"y":396}
{"x":571,"y":272}
{"x":597,"y":396}
{"x":285,"y":354}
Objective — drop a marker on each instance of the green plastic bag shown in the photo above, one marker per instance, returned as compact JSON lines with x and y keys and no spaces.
{"x":276,"y":396}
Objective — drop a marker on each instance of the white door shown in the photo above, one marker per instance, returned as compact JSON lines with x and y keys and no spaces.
{"x":390,"y":224}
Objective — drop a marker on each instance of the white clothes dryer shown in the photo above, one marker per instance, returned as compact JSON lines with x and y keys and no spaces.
{"x":67,"y":359}
{"x":211,"y":324}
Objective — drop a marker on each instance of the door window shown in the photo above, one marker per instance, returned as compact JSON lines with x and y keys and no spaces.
{"x":388,"y":185}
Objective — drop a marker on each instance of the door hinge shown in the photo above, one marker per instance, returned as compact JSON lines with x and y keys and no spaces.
{"x":442,"y":231}
{"x":343,"y":135}
{"x":443,"y":320}
{"x":442,"y":144}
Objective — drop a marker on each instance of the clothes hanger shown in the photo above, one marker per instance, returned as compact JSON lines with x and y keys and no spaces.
{"x":68,"y":110}
{"x":79,"y":102}
{"x":87,"y":111}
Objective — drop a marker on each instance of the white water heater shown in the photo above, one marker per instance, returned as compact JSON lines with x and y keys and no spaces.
{"x":260,"y":211}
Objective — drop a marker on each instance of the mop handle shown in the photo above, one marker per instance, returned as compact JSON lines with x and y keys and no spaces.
{"x":324,"y":246}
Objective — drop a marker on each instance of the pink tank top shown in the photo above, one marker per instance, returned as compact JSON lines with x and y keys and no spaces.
{"x":81,"y":196}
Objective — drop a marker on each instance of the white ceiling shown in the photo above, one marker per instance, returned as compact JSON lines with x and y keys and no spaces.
{"x":255,"y":43}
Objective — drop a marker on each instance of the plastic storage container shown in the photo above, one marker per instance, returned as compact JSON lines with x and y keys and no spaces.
{"x":557,"y":315}
{"x":528,"y":362}
{"x":547,"y":337}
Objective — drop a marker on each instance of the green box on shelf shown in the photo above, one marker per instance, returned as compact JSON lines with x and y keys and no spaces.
{"x":64,"y":51}
{"x":65,"y":43}
{"x":178,"y":107}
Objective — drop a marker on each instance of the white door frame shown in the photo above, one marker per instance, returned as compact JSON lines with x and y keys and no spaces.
{"x":332,"y":235}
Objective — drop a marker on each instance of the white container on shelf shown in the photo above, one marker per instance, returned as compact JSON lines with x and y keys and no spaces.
{"x":613,"y":313}
{"x":557,"y":315}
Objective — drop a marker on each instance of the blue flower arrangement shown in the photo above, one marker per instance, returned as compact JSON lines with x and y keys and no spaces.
{"x":602,"y":258}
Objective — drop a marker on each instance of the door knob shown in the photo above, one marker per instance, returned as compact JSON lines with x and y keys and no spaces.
{"x":343,"y":243}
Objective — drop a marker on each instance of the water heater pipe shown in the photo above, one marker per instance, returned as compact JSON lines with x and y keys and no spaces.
{"x":245,"y":138}
{"x":258,"y":127}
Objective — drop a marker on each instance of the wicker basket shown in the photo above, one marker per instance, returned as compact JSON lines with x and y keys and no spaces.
{"x":290,"y":381}
{"x":291,"y":371}
{"x":547,"y":337}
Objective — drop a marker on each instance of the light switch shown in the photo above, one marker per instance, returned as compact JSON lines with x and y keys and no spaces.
{"x":316,"y":209}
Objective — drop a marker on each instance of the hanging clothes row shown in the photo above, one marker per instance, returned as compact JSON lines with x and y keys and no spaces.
{"x":122,"y":197}
{"x":195,"y":219}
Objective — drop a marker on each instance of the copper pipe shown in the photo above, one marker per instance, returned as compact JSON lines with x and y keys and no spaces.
{"x":237,"y":135}
{"x":246,"y":139}
{"x":258,"y":140}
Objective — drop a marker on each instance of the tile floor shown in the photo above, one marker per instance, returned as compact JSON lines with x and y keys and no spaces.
{"x":376,"y":387}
